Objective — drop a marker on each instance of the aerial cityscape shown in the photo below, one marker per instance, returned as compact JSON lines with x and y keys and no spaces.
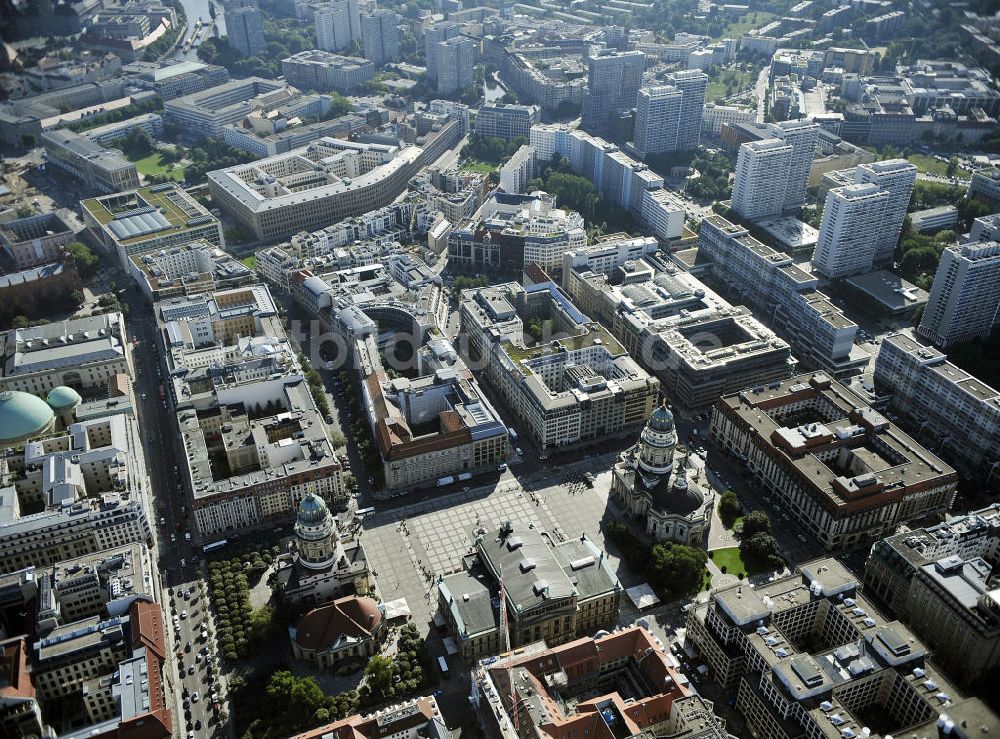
{"x":481,"y":369}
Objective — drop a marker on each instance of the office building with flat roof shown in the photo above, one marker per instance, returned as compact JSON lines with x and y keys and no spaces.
{"x":511,"y":231}
{"x":939,"y":581}
{"x":109,"y":671}
{"x":577,"y":388}
{"x":786,"y":295}
{"x":664,"y":317}
{"x":985,"y":185}
{"x":624,"y":181}
{"x":179,"y":78}
{"x":205,"y":113}
{"x":188,"y":270}
{"x":846,"y":473}
{"x":507,"y":121}
{"x":456,"y":60}
{"x":82,"y":490}
{"x":325,"y":71}
{"x":808,"y":654}
{"x":240,"y":396}
{"x":245,"y":29}
{"x":149,"y":219}
{"x":693,"y":84}
{"x":100,"y":169}
{"x":338,"y":24}
{"x":762,"y":172}
{"x":432,"y":37}
{"x":896,"y":177}
{"x":419,"y":718}
{"x":35,"y":240}
{"x":802,"y":136}
{"x":965,"y":298}
{"x":151,"y":123}
{"x":658,"y":119}
{"x":81,"y":353}
{"x":943,"y":403}
{"x":518,"y":171}
{"x":309,"y":188}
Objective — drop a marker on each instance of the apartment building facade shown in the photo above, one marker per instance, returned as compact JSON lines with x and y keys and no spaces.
{"x":943,"y":403}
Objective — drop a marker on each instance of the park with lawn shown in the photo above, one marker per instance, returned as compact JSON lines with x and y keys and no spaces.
{"x":758,"y":550}
{"x":158,"y":164}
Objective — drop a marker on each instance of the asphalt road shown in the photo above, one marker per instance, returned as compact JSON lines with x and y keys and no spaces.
{"x":179,"y":560}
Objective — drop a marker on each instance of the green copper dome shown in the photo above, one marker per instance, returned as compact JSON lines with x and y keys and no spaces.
{"x":662,"y":420}
{"x":63,"y":397}
{"x":312,"y":510}
{"x":22,"y":416}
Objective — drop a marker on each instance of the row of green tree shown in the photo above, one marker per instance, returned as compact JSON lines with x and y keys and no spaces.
{"x":492,"y":149}
{"x":371,"y":460}
{"x":149,"y":105}
{"x":240,"y":628}
{"x":316,"y":386}
{"x":284,"y":704}
{"x":389,"y":680}
{"x":578,"y":193}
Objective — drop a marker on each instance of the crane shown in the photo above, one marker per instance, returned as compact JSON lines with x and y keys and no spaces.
{"x":505,"y":631}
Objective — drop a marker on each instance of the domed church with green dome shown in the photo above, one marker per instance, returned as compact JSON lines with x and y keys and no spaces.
{"x":653,"y":484}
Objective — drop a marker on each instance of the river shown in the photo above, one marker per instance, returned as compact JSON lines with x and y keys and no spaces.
{"x":195,"y":9}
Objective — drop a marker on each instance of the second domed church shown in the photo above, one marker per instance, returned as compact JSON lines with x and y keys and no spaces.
{"x":651,"y":482}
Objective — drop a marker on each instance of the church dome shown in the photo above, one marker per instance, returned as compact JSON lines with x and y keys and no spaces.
{"x":680,"y":498}
{"x":23,"y":416}
{"x":312,"y":511}
{"x":662,"y":420}
{"x":63,"y":397}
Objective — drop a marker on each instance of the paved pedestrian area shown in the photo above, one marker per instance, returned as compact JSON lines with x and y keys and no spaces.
{"x":448,"y":534}
{"x":410,"y":546}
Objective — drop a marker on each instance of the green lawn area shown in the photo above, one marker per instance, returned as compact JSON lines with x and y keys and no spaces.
{"x":152,"y":165}
{"x":250,"y":261}
{"x":750,"y":20}
{"x":476,"y":166}
{"x":729,"y":561}
{"x":930,"y":165}
{"x":738,"y":80}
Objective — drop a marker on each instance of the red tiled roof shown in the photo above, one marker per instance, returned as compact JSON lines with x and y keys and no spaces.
{"x":351,"y":616}
{"x":147,"y":626}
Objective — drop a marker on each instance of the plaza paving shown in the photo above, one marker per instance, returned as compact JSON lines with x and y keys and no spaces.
{"x":410,"y":545}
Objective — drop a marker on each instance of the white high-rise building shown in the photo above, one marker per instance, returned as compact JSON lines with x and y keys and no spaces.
{"x":380,"y":35}
{"x":338,"y":25}
{"x":693,"y":83}
{"x":613,"y":81}
{"x":897,"y":177}
{"x":456,"y":60}
{"x":851,"y":217}
{"x":244,"y":29}
{"x":657,"y":119}
{"x":965,"y":299}
{"x":802,"y":135}
{"x":762,"y":169}
{"x":432,"y":37}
